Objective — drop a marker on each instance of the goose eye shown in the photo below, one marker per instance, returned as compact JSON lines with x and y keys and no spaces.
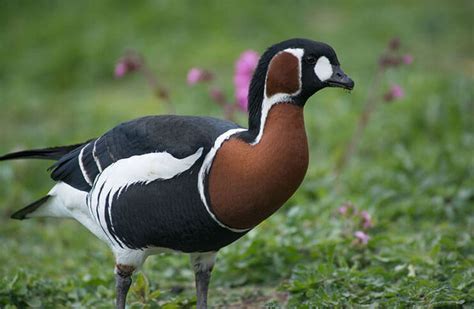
{"x":310,"y":59}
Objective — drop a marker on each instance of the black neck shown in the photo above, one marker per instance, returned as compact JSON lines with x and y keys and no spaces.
{"x":255,"y":98}
{"x":257,"y":85}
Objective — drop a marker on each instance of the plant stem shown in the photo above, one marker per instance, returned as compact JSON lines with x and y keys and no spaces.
{"x":158,"y":90}
{"x":364,"y":118}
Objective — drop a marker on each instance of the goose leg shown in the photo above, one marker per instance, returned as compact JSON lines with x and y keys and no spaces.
{"x":123,"y":280}
{"x":202,"y":264}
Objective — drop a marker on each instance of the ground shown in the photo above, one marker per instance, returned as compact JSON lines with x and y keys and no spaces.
{"x":413,"y":170}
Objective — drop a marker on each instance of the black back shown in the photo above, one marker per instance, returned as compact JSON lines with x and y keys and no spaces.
{"x":180,"y":136}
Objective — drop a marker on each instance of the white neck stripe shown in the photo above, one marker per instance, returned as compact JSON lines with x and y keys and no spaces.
{"x":268,"y":102}
{"x":205,"y":168}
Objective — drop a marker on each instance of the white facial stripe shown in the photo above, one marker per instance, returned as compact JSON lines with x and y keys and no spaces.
{"x":323,"y":69}
{"x":297,"y":52}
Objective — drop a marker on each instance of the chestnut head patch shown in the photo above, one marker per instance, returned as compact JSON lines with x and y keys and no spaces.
{"x":284,"y":74}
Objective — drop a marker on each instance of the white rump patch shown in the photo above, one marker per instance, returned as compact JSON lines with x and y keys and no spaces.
{"x":68,"y":202}
{"x":136,"y":169}
{"x":323,"y":69}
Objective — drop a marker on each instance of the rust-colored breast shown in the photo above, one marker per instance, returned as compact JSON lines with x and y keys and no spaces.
{"x":249,"y":183}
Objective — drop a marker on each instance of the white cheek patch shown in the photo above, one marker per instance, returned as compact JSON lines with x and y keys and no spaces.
{"x":323,"y":69}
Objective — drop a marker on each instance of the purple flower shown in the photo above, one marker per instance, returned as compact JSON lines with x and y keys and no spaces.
{"x":244,"y":68}
{"x":127,"y":64}
{"x":407,"y":59}
{"x":196,"y":75}
{"x":362,"y":237}
{"x":366,"y":220}
{"x":395,"y":92}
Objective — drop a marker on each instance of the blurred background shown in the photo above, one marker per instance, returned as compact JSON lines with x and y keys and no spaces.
{"x":408,"y":187}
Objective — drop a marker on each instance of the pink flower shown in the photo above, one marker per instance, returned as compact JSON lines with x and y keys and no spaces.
{"x":244,"y":68}
{"x":395,"y":92}
{"x":127,"y":64}
{"x":362,"y":237}
{"x":366,"y":220}
{"x":347,"y":208}
{"x":407,"y":59}
{"x":343,"y":210}
{"x":196,"y":75}
{"x":193,"y":76}
{"x":120,"y":69}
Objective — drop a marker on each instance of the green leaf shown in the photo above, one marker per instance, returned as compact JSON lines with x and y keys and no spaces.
{"x":155,"y":294}
{"x":141,"y":287}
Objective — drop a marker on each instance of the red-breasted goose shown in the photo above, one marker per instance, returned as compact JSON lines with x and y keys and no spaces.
{"x":192,"y":184}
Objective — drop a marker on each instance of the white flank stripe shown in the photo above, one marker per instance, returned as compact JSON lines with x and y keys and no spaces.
{"x":268,"y":102}
{"x":96,"y":159}
{"x":206,"y":166}
{"x":81,"y":165}
{"x":136,"y":169}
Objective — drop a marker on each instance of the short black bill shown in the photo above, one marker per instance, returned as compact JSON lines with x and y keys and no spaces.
{"x":340,"y":79}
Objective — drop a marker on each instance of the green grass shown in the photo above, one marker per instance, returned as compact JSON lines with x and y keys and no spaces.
{"x":414,"y":171}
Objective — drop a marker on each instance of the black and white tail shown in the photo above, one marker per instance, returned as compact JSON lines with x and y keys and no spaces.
{"x":51,"y":153}
{"x":25,"y":211}
{"x":45,"y":206}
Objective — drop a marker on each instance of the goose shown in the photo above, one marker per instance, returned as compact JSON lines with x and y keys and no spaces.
{"x":191,"y":184}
